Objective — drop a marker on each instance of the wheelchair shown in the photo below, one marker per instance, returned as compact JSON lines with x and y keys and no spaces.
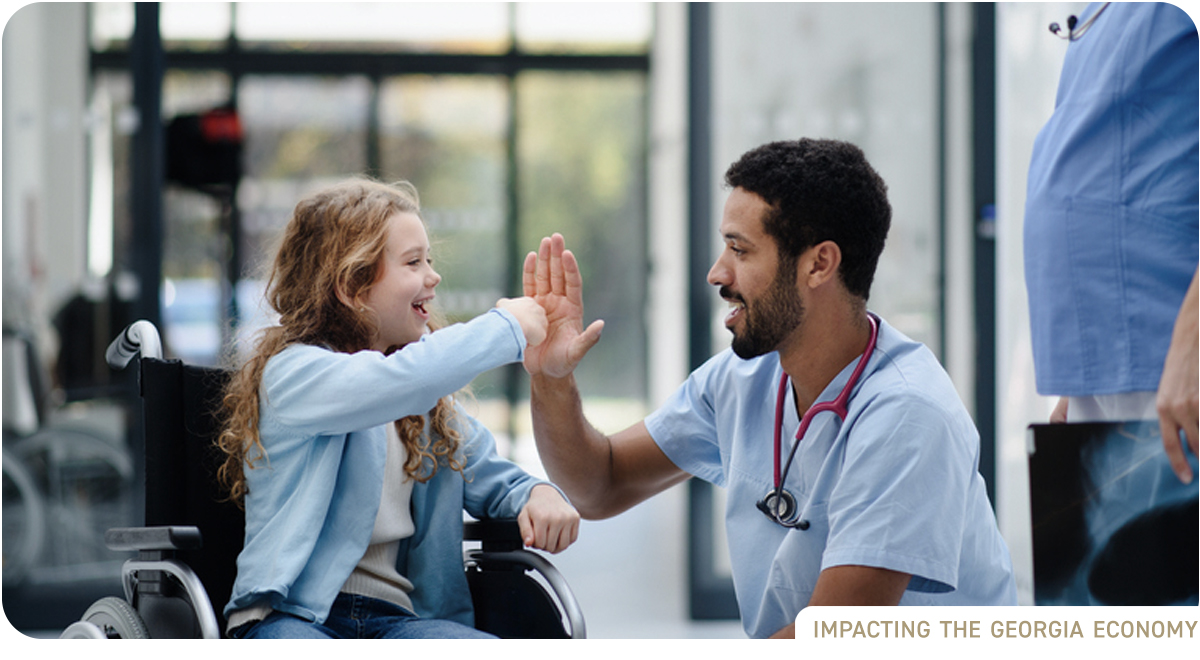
{"x":187,"y":550}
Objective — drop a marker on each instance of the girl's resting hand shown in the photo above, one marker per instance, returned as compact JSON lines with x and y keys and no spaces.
{"x":529,"y":314}
{"x":547,"y":521}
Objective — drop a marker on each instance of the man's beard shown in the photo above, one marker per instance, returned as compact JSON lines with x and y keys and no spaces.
{"x":766,"y":322}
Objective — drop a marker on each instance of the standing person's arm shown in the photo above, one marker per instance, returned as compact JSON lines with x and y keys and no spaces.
{"x":603,"y":476}
{"x":1177,"y":399}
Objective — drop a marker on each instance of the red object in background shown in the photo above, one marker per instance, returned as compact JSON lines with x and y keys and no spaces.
{"x":221,"y":125}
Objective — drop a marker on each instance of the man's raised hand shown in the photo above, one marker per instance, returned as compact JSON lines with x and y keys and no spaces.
{"x":551,"y":276}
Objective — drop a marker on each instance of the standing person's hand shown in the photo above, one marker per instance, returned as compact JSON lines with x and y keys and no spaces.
{"x":1178,"y":402}
{"x":1059,"y":414}
{"x":552,"y":278}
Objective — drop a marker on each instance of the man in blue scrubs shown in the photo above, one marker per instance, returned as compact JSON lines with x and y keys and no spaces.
{"x":889,"y":507}
{"x":1111,"y":225}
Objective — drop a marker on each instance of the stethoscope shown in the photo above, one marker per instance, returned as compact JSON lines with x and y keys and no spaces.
{"x":778,"y":504}
{"x":1073,"y":34}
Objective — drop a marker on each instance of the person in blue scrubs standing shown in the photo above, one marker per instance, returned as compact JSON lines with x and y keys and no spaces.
{"x":1111,"y":225}
{"x":850,"y":463}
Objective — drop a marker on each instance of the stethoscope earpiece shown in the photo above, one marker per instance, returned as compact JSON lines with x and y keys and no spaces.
{"x":1072,"y":34}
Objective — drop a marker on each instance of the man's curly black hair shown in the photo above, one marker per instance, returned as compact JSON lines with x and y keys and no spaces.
{"x":820,"y":190}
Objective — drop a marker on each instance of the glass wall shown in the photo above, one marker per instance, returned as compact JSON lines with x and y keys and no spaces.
{"x":861,"y":72}
{"x":582,"y":172}
{"x":500,"y":155}
{"x":449,"y":136}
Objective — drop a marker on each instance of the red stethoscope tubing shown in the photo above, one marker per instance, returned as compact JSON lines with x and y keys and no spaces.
{"x":837,"y":406}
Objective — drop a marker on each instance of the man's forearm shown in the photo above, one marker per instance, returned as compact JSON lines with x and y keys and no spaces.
{"x":576,"y":456}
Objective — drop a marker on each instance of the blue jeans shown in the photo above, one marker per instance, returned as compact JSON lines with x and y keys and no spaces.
{"x":357,"y":617}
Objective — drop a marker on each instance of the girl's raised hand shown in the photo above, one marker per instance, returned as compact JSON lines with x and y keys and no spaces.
{"x":547,"y":521}
{"x":530,"y":315}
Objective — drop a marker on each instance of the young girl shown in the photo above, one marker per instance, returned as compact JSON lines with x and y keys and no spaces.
{"x":343,"y":444}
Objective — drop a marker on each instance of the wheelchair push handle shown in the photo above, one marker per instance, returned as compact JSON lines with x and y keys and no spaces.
{"x":140,"y":337}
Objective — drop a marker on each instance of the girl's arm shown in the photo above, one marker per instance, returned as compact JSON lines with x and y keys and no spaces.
{"x":323,"y":391}
{"x":498,"y":488}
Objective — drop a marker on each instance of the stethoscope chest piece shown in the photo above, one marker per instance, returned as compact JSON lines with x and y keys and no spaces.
{"x":780,"y":506}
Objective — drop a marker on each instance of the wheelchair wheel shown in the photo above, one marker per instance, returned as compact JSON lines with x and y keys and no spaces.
{"x":116,"y":618}
{"x":24,"y":521}
{"x":87,"y":482}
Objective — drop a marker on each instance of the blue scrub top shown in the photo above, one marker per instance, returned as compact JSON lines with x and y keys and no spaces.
{"x":1111,"y":206}
{"x":895,"y":486}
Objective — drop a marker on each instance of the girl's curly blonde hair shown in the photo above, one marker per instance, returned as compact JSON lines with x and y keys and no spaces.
{"x":334,"y":244}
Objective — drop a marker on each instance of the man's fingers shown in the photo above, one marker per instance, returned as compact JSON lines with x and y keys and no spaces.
{"x":590,"y":336}
{"x":554,"y":271}
{"x":529,"y":275}
{"x":556,"y":265}
{"x":543,"y":268}
{"x":586,"y":340}
{"x":572,"y":280}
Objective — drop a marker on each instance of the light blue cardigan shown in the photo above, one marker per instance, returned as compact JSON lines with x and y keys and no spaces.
{"x":312,"y":501}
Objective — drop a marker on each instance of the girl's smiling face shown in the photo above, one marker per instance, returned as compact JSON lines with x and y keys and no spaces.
{"x":404,"y":288}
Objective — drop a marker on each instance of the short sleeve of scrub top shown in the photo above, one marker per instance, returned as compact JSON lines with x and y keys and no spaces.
{"x":688,"y":420}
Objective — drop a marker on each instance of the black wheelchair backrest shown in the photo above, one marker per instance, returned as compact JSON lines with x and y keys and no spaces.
{"x":179,"y":403}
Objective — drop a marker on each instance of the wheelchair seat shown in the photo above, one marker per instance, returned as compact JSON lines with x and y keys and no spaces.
{"x":187,"y":551}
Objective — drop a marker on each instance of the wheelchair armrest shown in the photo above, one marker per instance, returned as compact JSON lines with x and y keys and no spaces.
{"x":155,"y":547}
{"x":502,"y":545}
{"x":152,"y":538}
{"x":496,"y":534}
{"x":527,"y":560}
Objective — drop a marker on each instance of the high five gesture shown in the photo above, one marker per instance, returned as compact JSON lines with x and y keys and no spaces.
{"x":552,"y":278}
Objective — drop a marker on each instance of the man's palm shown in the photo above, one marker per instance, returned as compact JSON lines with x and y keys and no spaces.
{"x":551,"y":276}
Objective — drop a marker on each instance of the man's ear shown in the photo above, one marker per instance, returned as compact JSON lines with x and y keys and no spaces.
{"x":819,"y":264}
